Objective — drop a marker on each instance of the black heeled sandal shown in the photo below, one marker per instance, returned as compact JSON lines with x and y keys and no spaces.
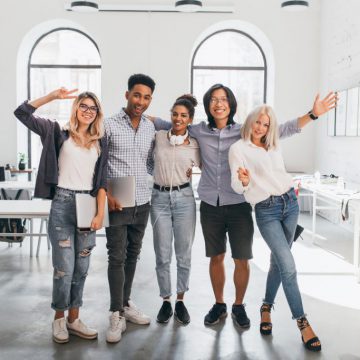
{"x":310,"y":344}
{"x":265,"y":326}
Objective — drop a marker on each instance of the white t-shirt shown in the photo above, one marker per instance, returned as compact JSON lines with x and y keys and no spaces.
{"x":266,"y":170}
{"x":76,"y":166}
{"x":173,"y":161}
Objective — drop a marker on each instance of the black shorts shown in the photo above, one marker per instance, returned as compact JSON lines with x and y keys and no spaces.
{"x":236,"y":220}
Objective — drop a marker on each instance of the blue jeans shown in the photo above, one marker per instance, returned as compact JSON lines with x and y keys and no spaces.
{"x":71,"y":251}
{"x":277,"y":218}
{"x":173,"y":215}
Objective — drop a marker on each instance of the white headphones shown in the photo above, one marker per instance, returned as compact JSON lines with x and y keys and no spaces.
{"x":177,"y":139}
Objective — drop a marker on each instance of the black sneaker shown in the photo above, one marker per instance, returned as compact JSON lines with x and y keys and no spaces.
{"x":165,"y":312}
{"x":217,"y":312}
{"x":181,"y":314}
{"x":239,"y":315}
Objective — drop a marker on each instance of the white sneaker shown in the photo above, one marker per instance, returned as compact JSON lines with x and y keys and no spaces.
{"x":116,"y":328}
{"x":59,"y":331}
{"x":78,"y":328}
{"x":134,"y":315}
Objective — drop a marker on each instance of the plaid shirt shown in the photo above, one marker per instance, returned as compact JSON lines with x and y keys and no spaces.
{"x":130,"y":151}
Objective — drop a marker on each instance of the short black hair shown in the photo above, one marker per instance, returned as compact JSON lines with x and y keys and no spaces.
{"x":141,"y":79}
{"x":231,"y":99}
{"x":187,"y":100}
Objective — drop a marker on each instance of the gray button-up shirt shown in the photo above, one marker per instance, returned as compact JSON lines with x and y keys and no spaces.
{"x":130,"y":151}
{"x":215,"y":181}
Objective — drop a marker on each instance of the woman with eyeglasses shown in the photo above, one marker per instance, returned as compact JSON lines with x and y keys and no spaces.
{"x":73,"y":160}
{"x":173,"y":209}
{"x":258,"y":172}
{"x":222,"y":210}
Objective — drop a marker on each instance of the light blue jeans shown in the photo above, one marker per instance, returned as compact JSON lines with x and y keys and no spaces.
{"x":71,"y":251}
{"x":173,"y":216}
{"x":277,"y":218}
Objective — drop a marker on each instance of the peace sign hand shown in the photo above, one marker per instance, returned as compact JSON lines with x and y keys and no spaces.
{"x":63,"y":94}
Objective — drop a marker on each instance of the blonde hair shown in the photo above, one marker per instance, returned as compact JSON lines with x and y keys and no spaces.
{"x":271,"y":139}
{"x":95,"y":130}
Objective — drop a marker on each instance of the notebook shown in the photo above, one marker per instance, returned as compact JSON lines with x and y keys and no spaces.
{"x":86,"y":210}
{"x":123,"y":190}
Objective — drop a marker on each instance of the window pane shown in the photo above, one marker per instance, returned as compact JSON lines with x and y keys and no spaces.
{"x":228,"y":49}
{"x":248,"y":87}
{"x":65,"y":47}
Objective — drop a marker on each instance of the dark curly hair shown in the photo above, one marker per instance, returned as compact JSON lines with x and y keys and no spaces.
{"x":187,"y":100}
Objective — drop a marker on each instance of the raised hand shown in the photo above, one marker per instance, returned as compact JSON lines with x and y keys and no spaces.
{"x":244,"y":176}
{"x":322,"y":106}
{"x":63,"y":93}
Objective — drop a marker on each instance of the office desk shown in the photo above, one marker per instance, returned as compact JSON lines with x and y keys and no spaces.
{"x":15,"y":185}
{"x":330,"y":195}
{"x":26,"y":209}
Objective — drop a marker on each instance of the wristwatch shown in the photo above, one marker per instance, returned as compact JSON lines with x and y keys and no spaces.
{"x":312,"y":115}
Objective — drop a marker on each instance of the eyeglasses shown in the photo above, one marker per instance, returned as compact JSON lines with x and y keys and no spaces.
{"x":223,"y":100}
{"x":85,"y":108}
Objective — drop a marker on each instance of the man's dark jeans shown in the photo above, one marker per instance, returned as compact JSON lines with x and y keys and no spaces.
{"x":124,"y":240}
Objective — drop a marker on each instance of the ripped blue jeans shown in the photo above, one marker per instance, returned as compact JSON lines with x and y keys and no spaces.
{"x":71,"y":251}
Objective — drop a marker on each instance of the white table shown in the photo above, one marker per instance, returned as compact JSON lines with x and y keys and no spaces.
{"x":26,"y":209}
{"x":332,"y":197}
{"x":15,"y":185}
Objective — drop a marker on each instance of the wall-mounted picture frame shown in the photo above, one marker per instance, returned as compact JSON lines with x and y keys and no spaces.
{"x":340,"y":113}
{"x":352,"y":111}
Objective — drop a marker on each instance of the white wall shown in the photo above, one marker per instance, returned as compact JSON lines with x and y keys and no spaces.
{"x":340,"y":64}
{"x":160,"y":45}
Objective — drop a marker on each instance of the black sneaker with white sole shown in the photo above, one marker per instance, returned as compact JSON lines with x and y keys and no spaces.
{"x":165,"y":312}
{"x":239,"y":315}
{"x":217,"y":312}
{"x":181,"y":314}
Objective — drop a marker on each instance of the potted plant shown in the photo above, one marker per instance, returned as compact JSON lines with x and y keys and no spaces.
{"x":22,"y":161}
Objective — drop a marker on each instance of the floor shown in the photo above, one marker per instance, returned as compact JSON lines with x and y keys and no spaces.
{"x":331,"y":299}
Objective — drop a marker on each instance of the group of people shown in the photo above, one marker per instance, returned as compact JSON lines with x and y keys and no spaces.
{"x":241,"y":168}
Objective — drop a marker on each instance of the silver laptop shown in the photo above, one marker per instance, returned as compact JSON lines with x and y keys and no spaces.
{"x":123,"y":190}
{"x":86,"y":209}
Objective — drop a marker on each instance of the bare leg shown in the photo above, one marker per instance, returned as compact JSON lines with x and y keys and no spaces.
{"x":73,"y":314}
{"x":217,"y":276}
{"x":241,"y":279}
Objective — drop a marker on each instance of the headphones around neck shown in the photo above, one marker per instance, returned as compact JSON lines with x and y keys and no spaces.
{"x":177,"y":139}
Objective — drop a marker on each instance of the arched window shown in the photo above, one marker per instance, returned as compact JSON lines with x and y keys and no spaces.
{"x":233,"y":58}
{"x":61,"y":57}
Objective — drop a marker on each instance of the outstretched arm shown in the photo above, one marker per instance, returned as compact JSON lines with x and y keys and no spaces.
{"x":320,"y":107}
{"x":58,"y":94}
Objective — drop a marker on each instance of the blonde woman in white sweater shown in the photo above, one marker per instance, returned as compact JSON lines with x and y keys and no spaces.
{"x":258,"y":171}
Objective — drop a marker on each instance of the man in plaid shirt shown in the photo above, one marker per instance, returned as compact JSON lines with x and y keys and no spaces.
{"x":130,"y":138}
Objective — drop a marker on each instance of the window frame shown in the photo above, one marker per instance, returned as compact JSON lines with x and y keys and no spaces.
{"x":50,"y":66}
{"x":241,"y":68}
